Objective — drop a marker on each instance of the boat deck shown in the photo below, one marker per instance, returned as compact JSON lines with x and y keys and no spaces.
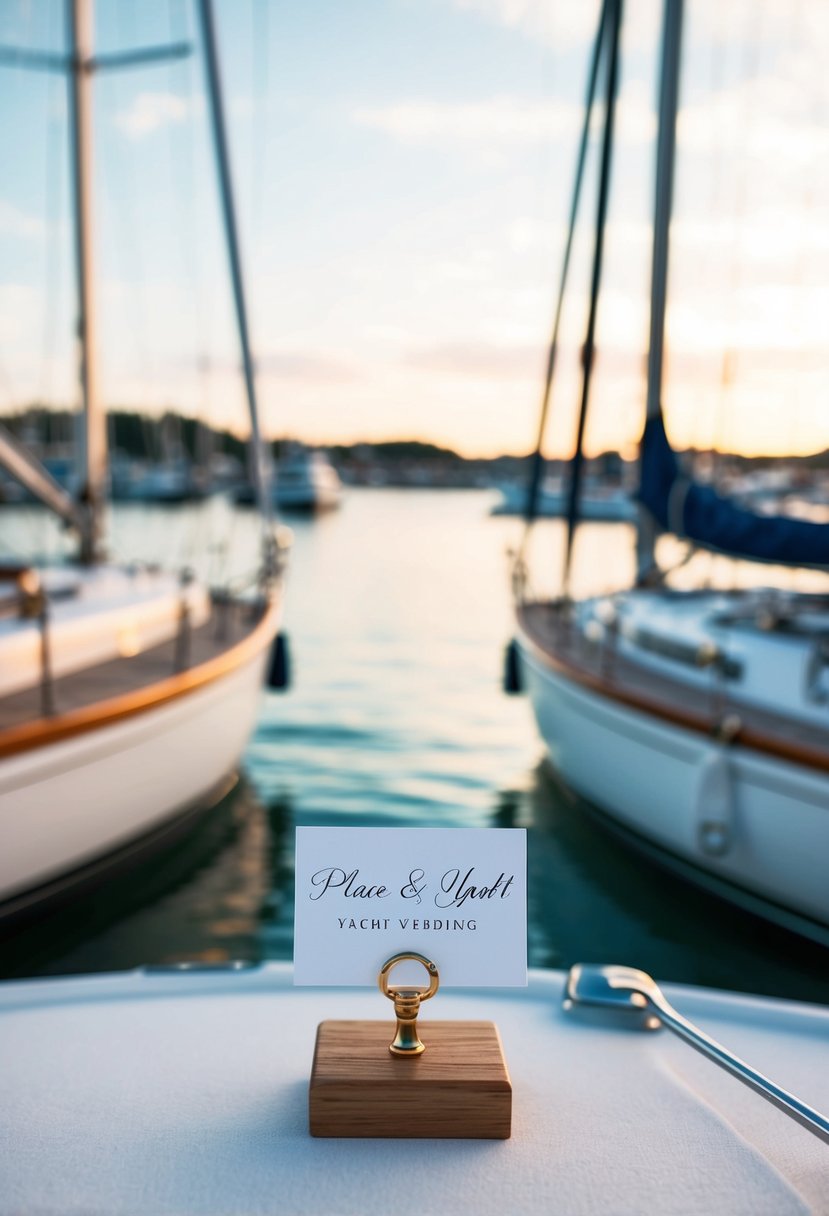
{"x":229,"y":624}
{"x":718,"y":710}
{"x":177,"y":1091}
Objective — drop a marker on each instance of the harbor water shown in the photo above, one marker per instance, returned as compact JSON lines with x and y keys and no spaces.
{"x":398,"y":609}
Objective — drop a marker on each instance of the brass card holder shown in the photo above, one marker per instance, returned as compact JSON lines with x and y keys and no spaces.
{"x":406,"y":1041}
{"x":456,"y":1085}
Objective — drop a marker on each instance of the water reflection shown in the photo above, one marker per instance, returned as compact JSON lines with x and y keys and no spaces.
{"x":198,"y":899}
{"x":226,"y":892}
{"x":398,"y":611}
{"x":594,"y":899}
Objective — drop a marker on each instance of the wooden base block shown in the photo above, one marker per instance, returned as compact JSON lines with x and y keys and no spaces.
{"x":459,"y":1086}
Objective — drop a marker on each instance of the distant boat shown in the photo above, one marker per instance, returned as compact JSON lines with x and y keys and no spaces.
{"x":126,"y":694}
{"x":696,"y":721}
{"x":600,"y":504}
{"x":306,"y":481}
{"x":175,"y":481}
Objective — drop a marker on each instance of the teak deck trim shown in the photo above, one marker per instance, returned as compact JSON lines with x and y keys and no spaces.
{"x":747,"y":736}
{"x":42,"y":732}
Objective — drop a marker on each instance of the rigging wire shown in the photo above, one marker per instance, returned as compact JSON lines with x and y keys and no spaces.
{"x":260,"y":32}
{"x":588,"y":356}
{"x":259,"y":144}
{"x":538,"y":458}
{"x":8,"y":379}
{"x":54,"y":186}
{"x":116,"y":174}
{"x":130,"y":233}
{"x":189,"y":218}
{"x":41,"y":418}
{"x":705,"y":417}
{"x":262,"y":478}
{"x":190,"y":215}
{"x":260,"y":54}
{"x":193,"y":537}
{"x":730,"y":359}
{"x":795,"y":415}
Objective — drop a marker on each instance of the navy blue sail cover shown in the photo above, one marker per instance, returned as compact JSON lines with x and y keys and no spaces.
{"x":698,"y":513}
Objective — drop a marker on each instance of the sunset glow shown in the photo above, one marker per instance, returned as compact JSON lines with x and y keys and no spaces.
{"x":403,"y":172}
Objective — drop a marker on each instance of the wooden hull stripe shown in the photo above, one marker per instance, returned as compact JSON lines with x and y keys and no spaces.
{"x":746,"y":736}
{"x":42,"y":732}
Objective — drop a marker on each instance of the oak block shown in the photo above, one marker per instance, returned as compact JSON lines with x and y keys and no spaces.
{"x":459,"y":1087}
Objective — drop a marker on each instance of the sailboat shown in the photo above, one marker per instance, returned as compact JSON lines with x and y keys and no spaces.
{"x":695,"y":722}
{"x":166,"y":1089}
{"x":600,"y":503}
{"x":306,"y":483}
{"x":126,"y":693}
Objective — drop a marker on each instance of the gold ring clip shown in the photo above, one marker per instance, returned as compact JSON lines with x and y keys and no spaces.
{"x":407,"y":1003}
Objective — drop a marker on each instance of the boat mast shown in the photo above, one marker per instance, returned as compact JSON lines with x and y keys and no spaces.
{"x":663,"y":200}
{"x":79,"y":64}
{"x":92,"y":455}
{"x":261,"y":469}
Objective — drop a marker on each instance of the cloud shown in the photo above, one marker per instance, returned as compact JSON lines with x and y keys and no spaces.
{"x":479,"y":359}
{"x":20,"y":318}
{"x":635,"y":118}
{"x":307,"y":366}
{"x":772,"y":24}
{"x":149,"y":112}
{"x":756,"y":239}
{"x":565,"y":25}
{"x":498,"y":118}
{"x":766,"y":117}
{"x":560,"y":25}
{"x":14,"y":222}
{"x":504,"y":121}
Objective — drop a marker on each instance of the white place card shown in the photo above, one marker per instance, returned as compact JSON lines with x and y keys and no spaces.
{"x":458,"y":896}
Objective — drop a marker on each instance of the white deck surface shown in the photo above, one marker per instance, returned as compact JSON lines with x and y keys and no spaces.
{"x":158,"y":1093}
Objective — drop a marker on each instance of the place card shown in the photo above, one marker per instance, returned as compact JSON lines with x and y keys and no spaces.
{"x":456,"y":895}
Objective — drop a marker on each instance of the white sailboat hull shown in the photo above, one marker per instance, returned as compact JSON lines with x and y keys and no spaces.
{"x":671,"y":785}
{"x":67,"y":803}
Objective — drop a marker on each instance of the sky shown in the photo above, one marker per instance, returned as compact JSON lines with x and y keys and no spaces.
{"x":403,"y":171}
